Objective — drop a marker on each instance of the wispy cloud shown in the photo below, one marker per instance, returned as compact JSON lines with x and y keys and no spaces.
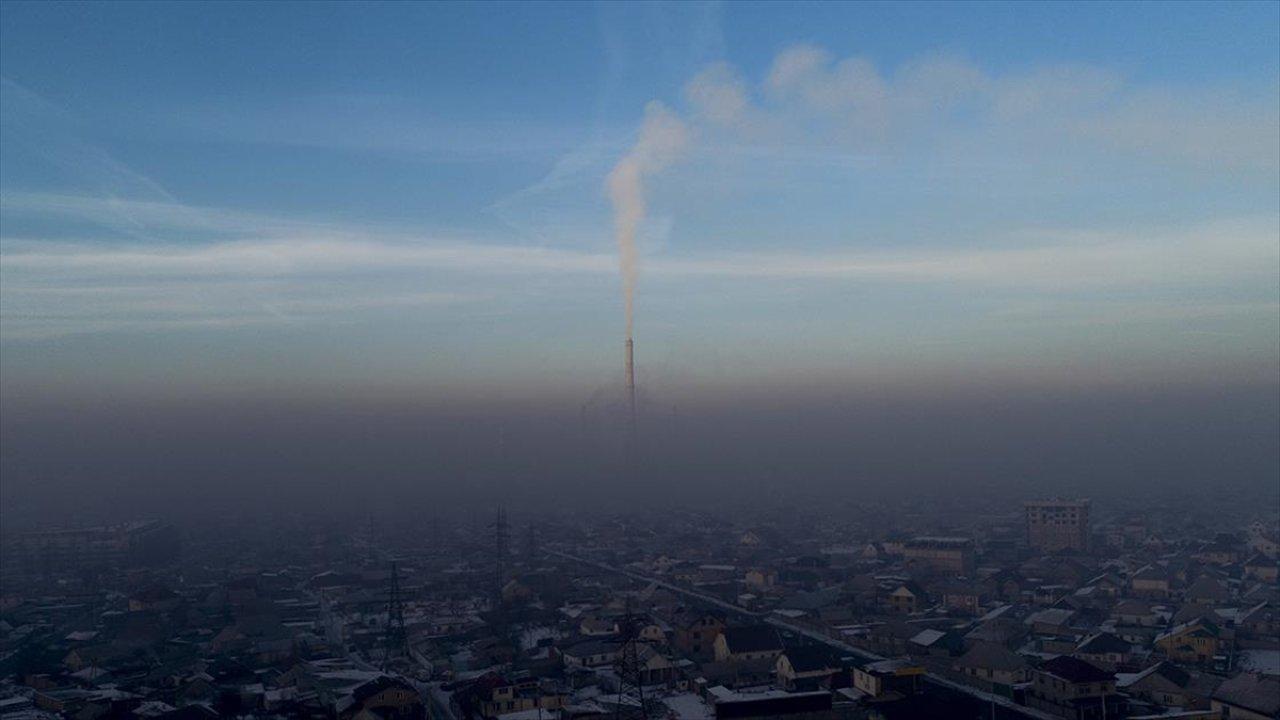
{"x":267,"y":269}
{"x":1080,"y":313}
{"x":1045,"y":132}
{"x":284,"y":257}
{"x":39,"y":312}
{"x":1046,"y":260}
{"x":36,"y":128}
{"x":162,"y":216}
{"x":266,"y":246}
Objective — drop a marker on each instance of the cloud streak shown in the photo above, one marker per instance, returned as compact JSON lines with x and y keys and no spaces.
{"x":35,"y":127}
{"x":288,"y":270}
{"x":1209,"y":252}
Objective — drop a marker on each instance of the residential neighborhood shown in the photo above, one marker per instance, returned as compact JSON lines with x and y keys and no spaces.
{"x":875,"y":611}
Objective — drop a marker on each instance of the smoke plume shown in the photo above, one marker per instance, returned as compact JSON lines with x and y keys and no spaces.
{"x":663,"y":137}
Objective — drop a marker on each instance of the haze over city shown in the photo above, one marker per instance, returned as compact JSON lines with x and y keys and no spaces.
{"x":248,"y":245}
{"x":639,"y":360}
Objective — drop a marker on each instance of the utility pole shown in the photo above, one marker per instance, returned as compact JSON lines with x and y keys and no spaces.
{"x":396,"y":642}
{"x":501,"y":540}
{"x":531,"y":545}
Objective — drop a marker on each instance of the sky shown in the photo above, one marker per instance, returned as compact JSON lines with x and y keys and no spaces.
{"x":207,"y":203}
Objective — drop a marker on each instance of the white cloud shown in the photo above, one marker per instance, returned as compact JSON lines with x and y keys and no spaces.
{"x":1212,"y":253}
{"x":794,"y":66}
{"x":1126,"y":312}
{"x":283,"y":257}
{"x":290,"y":271}
{"x":164,"y":216}
{"x":1088,"y":108}
{"x":717,"y":94}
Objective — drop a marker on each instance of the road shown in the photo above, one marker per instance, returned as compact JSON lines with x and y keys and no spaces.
{"x":1007,"y":706}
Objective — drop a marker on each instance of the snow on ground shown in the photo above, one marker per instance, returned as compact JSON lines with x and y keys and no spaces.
{"x":688,"y":707}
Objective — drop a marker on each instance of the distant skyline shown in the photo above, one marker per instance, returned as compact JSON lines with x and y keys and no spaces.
{"x":220,"y":200}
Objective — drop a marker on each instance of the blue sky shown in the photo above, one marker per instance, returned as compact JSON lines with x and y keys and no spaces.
{"x":321,"y":198}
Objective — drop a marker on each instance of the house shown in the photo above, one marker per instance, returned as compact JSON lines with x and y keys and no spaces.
{"x":198,"y":688}
{"x":738,"y":673}
{"x":936,"y":642}
{"x":771,"y":705}
{"x":1104,"y":650}
{"x":590,"y":653}
{"x":1265,"y":542}
{"x":1007,"y":584}
{"x":1073,"y":688}
{"x":1262,"y":568}
{"x":1197,"y":641}
{"x":187,"y":712}
{"x":872,"y":551}
{"x":907,"y":597}
{"x":1223,"y":551}
{"x":890,"y":638}
{"x":1004,"y":631}
{"x":950,"y":555}
{"x":1137,"y":613}
{"x":650,"y":632}
{"x":808,"y":667}
{"x":154,"y":599}
{"x":452,"y":624}
{"x":99,"y":655}
{"x":748,"y":643}
{"x":992,"y":666}
{"x":1262,"y":621}
{"x":1168,"y":685}
{"x":1150,"y":582}
{"x":884,"y":677}
{"x":1055,"y":622}
{"x":893,"y":546}
{"x":961,"y":598}
{"x":493,"y":650}
{"x":1107,"y":585}
{"x":382,"y":698}
{"x":1248,"y":696}
{"x":814,"y":601}
{"x":655,"y":667}
{"x":696,"y":633}
{"x":493,"y":695}
{"x":596,"y":626}
{"x":1207,"y":590}
{"x":515,"y":591}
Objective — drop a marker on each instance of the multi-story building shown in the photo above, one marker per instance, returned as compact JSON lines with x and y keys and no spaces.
{"x":1075,"y":689}
{"x":137,"y":543}
{"x":885,"y":676}
{"x":755,"y":642}
{"x":1198,"y":641}
{"x":952,"y":555}
{"x":1058,"y":525}
{"x":696,"y":633}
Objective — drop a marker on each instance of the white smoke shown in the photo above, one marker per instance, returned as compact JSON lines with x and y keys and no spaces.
{"x":663,"y":137}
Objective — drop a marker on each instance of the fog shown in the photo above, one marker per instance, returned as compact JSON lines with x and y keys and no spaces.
{"x":87,"y":461}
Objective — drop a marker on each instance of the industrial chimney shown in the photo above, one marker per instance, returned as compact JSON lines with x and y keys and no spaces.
{"x":632,"y":468}
{"x":631,"y":385}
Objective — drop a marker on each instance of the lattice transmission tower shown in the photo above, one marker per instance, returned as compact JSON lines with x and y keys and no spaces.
{"x":395,"y":640}
{"x":630,"y":668}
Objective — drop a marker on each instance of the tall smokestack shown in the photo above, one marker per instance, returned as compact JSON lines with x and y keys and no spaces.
{"x":632,"y":469}
{"x":631,"y":385}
